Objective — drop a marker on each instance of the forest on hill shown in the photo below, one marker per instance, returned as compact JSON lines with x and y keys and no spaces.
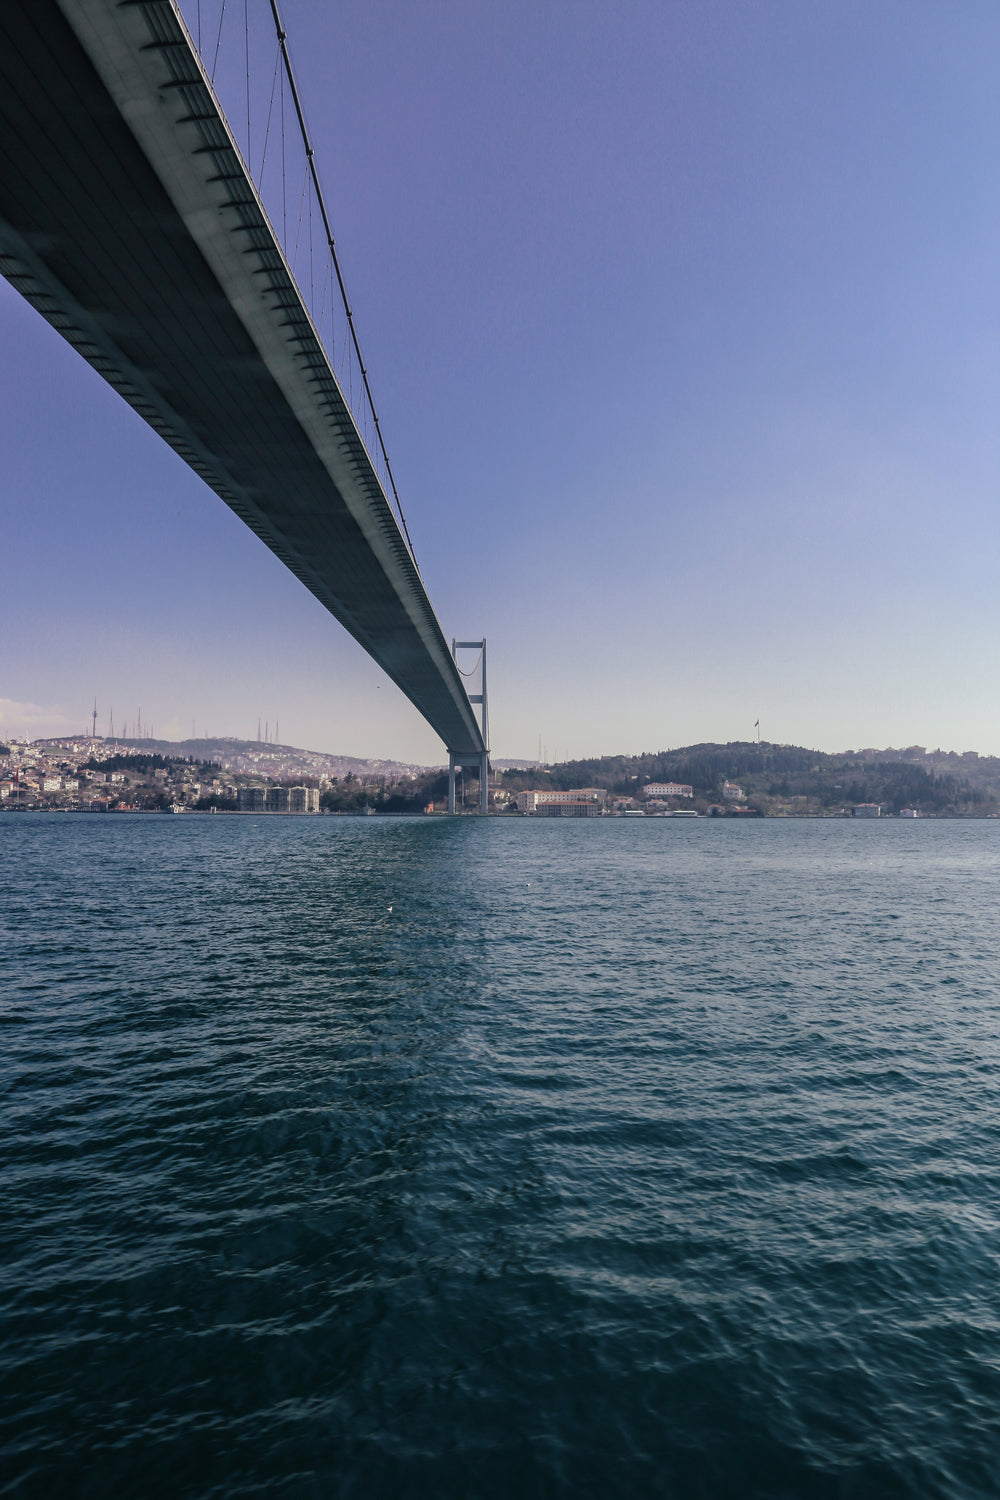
{"x":789,"y":779}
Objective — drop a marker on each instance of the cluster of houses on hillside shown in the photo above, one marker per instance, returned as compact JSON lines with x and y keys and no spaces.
{"x":74,"y":776}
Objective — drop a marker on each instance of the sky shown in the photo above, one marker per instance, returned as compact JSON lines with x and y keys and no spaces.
{"x":682,"y":322}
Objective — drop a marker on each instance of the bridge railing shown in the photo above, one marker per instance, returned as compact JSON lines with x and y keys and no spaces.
{"x":247,"y":55}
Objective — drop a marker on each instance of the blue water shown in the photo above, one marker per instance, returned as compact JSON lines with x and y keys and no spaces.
{"x":505,"y":1158}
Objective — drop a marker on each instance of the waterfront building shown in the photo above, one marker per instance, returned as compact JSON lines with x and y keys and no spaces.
{"x":532,"y":801}
{"x":591,"y":793}
{"x":277,"y":799}
{"x":251,"y":799}
{"x":582,"y":807}
{"x":303,"y":799}
{"x":868,"y":810}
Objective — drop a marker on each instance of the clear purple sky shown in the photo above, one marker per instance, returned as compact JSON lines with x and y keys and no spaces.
{"x":683,"y":325}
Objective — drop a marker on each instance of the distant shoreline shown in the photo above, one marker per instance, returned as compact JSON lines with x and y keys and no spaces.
{"x":507,"y":817}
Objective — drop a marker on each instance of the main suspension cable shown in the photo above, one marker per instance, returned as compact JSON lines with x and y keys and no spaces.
{"x":475,"y":666}
{"x":311,"y":164}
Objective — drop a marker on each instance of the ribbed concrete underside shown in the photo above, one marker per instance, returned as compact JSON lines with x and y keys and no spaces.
{"x":127,"y":218}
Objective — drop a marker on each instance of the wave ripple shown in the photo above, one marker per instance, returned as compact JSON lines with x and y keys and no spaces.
{"x":411,"y":1158}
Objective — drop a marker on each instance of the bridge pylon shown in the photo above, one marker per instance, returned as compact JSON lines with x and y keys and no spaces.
{"x":481,"y":761}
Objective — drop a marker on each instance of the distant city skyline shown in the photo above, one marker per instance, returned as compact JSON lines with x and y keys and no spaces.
{"x":682,"y":323}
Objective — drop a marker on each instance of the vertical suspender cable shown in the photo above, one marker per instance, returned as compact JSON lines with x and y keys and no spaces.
{"x":284,"y":200}
{"x":218,"y":39}
{"x":270,"y":111}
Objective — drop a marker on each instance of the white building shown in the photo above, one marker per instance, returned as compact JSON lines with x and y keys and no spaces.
{"x":530,"y":802}
{"x":303,"y":799}
{"x":733,"y":793}
{"x":868,"y":810}
{"x":667,"y":789}
{"x":586,"y":793}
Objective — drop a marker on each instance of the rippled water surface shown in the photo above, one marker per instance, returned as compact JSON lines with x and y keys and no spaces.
{"x":461,"y":1158}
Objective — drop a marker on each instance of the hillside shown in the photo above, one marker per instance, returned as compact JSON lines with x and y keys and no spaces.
{"x":249,"y":757}
{"x":778,"y":780}
{"x":789,"y":779}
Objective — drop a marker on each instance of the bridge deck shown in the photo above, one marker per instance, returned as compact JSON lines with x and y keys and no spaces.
{"x":128,"y":219}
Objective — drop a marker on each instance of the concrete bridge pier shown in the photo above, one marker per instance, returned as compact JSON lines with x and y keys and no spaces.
{"x":479,"y":758}
{"x":455,"y":763}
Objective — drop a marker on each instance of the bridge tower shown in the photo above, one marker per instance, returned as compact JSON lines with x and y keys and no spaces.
{"x":455,"y":762}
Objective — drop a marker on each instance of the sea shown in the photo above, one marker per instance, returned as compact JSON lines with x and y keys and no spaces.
{"x":499,"y":1157}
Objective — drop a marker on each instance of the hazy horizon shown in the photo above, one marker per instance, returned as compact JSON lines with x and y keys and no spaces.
{"x":284,"y":744}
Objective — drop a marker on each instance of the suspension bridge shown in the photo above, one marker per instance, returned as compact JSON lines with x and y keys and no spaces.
{"x":165,"y":243}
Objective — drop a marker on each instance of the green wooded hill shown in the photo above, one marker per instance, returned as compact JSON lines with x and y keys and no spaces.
{"x":789,"y":779}
{"x":145,"y":765}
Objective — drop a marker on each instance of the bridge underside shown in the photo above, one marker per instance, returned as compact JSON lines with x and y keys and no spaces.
{"x":129,"y":221}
